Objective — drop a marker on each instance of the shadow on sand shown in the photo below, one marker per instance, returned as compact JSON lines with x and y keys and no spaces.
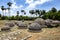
{"x":35,"y":31}
{"x":22,"y":27}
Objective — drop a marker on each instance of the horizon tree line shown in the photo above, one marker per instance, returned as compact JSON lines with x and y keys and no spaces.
{"x":51,"y":14}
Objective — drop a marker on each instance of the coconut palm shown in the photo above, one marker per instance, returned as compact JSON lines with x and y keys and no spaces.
{"x":38,"y":12}
{"x":0,"y":15}
{"x":31,"y":11}
{"x":23,"y":12}
{"x":5,"y":10}
{"x":43,"y":12}
{"x":9,"y":4}
{"x":2,"y":8}
{"x":17,"y":15}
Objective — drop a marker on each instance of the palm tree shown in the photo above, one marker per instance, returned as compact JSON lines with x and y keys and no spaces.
{"x":23,"y":12}
{"x":38,"y":12}
{"x":31,"y":12}
{"x":5,"y":10}
{"x":9,"y":4}
{"x":2,"y":8}
{"x":43,"y":12}
{"x":17,"y":15}
{"x":0,"y":14}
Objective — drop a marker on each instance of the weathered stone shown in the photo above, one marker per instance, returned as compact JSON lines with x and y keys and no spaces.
{"x":51,"y":23}
{"x":10,"y":24}
{"x":21,"y":24}
{"x":5,"y":28}
{"x":41,"y":22}
{"x":35,"y":26}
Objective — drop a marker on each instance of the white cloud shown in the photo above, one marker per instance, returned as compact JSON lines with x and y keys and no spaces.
{"x":29,"y":1}
{"x":32,"y":5}
{"x":0,"y":11}
{"x":35,"y":3}
{"x":14,"y":5}
{"x":15,"y":8}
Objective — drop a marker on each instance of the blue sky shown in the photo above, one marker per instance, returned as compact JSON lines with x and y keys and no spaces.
{"x":29,"y":5}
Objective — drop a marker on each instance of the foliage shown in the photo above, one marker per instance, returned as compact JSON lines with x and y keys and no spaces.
{"x":51,"y":14}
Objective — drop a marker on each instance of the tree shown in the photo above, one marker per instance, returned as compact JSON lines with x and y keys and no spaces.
{"x":54,"y":10}
{"x":0,"y":16}
{"x":31,"y":12}
{"x":23,"y":12}
{"x":2,"y":8}
{"x":58,"y":15}
{"x":12,"y":18}
{"x":51,"y":14}
{"x":37,"y":12}
{"x":9,"y":4}
{"x":43,"y":12}
{"x":5,"y":10}
{"x":17,"y":15}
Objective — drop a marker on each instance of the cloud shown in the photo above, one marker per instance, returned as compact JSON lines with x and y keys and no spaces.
{"x":0,"y":10}
{"x":33,"y":4}
{"x":15,"y":8}
{"x":29,"y":1}
{"x":14,"y":5}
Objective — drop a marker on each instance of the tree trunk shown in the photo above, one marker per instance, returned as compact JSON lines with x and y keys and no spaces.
{"x":3,"y":13}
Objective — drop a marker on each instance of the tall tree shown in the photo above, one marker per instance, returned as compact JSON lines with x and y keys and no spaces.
{"x":0,"y":14}
{"x":31,"y":12}
{"x":42,"y":13}
{"x":2,"y":8}
{"x":38,"y":12}
{"x":5,"y":10}
{"x":58,"y":15}
{"x":53,"y":10}
{"x":23,"y":12}
{"x":17,"y":15}
{"x":9,"y":4}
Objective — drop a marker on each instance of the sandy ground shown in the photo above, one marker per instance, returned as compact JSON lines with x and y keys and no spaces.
{"x":44,"y":34}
